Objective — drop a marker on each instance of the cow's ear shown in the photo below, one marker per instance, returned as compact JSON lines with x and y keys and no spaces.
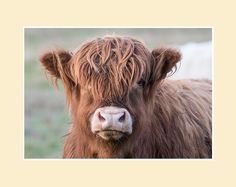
{"x":56,"y":62}
{"x":164,"y":61}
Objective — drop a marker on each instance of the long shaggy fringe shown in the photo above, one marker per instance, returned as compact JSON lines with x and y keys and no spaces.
{"x":109,"y":66}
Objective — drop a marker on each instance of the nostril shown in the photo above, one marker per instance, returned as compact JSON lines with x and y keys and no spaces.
{"x":122,"y":118}
{"x":100,"y":117}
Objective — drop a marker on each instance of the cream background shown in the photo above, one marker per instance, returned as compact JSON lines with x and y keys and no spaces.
{"x":15,"y":171}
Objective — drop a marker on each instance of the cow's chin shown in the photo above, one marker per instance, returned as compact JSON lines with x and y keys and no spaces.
{"x":111,"y":135}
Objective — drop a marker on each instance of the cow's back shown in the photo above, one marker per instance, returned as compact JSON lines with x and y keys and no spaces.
{"x":184,"y":110}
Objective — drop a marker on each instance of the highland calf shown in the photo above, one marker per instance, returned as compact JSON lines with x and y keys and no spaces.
{"x":122,"y":105}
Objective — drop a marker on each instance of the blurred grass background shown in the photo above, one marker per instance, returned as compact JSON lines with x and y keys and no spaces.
{"x":46,"y":115}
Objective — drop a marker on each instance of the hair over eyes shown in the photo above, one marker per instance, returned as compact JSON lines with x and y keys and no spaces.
{"x":110,"y":66}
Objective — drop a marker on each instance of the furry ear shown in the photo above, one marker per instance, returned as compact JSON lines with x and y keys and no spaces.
{"x":55,"y":62}
{"x":164,"y":60}
{"x":57,"y":65}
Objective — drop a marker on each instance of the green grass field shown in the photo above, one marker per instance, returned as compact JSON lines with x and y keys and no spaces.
{"x":46,"y":115}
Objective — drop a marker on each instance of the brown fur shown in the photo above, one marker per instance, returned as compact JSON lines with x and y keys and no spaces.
{"x":171,"y":119}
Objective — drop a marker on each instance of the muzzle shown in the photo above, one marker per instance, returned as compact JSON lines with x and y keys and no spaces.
{"x":111,"y":123}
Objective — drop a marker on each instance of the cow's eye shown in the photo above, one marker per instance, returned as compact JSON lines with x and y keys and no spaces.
{"x":141,"y":82}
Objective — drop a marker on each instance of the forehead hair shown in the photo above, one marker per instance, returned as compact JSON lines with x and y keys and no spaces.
{"x":109,"y":66}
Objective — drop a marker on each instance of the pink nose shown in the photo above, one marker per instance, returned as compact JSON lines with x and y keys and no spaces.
{"x":111,"y":122}
{"x":110,"y":118}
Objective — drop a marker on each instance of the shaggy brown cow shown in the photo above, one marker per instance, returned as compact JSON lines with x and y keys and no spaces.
{"x":123,"y":107}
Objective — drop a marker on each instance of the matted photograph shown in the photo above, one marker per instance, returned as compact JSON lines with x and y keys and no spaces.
{"x":118,"y":93}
